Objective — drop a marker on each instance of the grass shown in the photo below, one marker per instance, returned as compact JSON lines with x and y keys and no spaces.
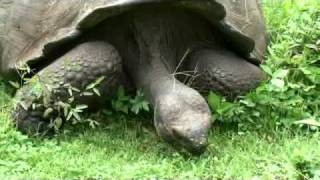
{"x":125,"y":150}
{"x":258,"y":141}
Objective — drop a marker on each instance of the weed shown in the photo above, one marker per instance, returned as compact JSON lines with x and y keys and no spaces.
{"x":127,"y":104}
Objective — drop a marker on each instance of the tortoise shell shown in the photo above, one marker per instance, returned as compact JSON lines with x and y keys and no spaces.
{"x":30,"y":30}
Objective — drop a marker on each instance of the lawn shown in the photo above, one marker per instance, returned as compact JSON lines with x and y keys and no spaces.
{"x":271,"y":133}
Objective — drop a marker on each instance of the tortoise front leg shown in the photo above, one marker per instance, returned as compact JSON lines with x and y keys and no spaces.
{"x":222,"y":71}
{"x":75,"y":70}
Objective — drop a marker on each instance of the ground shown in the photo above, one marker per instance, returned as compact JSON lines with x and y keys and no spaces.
{"x":271,"y":133}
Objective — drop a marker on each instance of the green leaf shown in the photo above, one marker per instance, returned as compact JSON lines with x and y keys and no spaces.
{"x":121,"y":95}
{"x":75,"y":89}
{"x":66,"y":111}
{"x":77,"y":116}
{"x":14,"y":84}
{"x":305,"y":71}
{"x":309,"y":122}
{"x":139,"y":103}
{"x":248,"y":103}
{"x":278,"y":83}
{"x":214,"y":100}
{"x":309,"y":88}
{"x":33,"y":106}
{"x":69,"y":115}
{"x":225,"y":107}
{"x":93,"y":124}
{"x":94,"y":84}
{"x":280,"y":73}
{"x":81,"y":107}
{"x":47,"y":112}
{"x":99,"y":80}
{"x":267,"y":69}
{"x":71,"y":100}
{"x":88,"y":94}
{"x":146,"y":106}
{"x":120,"y":106}
{"x":135,"y":109}
{"x":58,"y":123}
{"x":312,"y":46}
{"x":96,"y":91}
{"x":90,"y":86}
{"x":70,"y":92}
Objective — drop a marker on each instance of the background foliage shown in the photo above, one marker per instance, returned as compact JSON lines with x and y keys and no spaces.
{"x":270,"y":133}
{"x":291,"y":95}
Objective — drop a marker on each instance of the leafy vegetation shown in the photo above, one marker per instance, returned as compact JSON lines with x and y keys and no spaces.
{"x":291,"y":94}
{"x":125,"y":104}
{"x":270,"y":133}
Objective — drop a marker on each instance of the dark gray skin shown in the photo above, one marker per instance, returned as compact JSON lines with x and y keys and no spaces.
{"x":153,"y":46}
{"x":229,"y":74}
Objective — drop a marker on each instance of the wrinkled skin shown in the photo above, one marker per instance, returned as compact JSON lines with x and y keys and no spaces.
{"x":149,"y":48}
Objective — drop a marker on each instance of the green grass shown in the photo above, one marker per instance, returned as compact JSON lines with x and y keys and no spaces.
{"x":254,"y":139}
{"x":119,"y":152}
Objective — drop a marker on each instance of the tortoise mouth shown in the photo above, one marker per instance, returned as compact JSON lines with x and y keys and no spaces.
{"x":194,"y":144}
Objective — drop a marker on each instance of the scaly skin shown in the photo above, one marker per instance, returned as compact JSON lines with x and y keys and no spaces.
{"x":222,"y":71}
{"x":78,"y":68}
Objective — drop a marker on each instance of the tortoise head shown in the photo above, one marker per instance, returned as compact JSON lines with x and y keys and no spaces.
{"x":183,"y":124}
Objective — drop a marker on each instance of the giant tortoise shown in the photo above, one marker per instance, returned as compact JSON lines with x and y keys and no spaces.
{"x":150,"y":45}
